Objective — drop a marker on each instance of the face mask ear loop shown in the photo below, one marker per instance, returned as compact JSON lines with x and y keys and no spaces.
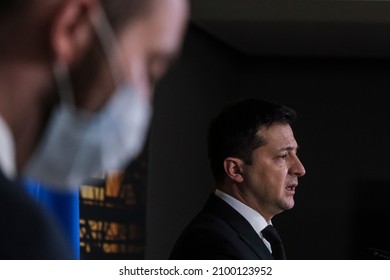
{"x":108,"y":41}
{"x":64,"y":86}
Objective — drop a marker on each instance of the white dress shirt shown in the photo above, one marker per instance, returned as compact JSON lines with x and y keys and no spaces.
{"x":7,"y":151}
{"x":252,"y":216}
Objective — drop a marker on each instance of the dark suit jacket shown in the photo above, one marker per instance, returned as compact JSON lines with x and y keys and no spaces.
{"x":26,"y":231}
{"x":219,"y":232}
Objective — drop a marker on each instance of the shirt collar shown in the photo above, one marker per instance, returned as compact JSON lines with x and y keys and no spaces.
{"x":7,"y":151}
{"x":256,"y":220}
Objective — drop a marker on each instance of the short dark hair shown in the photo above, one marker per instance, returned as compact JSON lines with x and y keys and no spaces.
{"x":233,"y":132}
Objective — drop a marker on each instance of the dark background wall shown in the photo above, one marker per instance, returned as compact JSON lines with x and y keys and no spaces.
{"x":343,"y":129}
{"x":205,"y":76}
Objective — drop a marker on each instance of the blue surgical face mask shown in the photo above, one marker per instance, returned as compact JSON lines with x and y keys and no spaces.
{"x":79,"y":144}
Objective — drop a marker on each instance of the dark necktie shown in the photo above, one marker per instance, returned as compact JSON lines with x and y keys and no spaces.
{"x":274,"y":239}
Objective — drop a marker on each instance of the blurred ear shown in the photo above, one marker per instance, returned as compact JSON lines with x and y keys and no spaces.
{"x":233,"y":169}
{"x":72,"y":30}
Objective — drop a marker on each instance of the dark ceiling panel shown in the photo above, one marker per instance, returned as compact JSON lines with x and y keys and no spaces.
{"x":325,"y":28}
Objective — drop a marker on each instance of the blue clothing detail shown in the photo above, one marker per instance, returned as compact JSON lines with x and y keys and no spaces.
{"x":64,"y":206}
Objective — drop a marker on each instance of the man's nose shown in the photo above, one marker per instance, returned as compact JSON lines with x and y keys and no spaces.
{"x":298,"y":169}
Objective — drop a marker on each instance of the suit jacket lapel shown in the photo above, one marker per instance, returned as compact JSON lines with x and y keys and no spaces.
{"x":243,"y":228}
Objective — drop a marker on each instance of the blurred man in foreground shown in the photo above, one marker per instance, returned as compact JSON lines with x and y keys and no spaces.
{"x":76,"y":89}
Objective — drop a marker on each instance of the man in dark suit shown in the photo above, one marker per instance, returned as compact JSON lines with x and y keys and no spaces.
{"x":253,"y":156}
{"x":76,"y":89}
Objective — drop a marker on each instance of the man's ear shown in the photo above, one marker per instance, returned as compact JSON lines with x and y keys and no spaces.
{"x":72,"y":30}
{"x":233,"y":169}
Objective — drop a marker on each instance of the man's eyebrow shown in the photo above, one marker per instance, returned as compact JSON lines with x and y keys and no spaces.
{"x":289,"y":148}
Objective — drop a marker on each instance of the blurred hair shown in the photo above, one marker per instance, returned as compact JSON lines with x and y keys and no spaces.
{"x":121,"y":12}
{"x":234,"y":132}
{"x":118,"y":12}
{"x":9,"y":8}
